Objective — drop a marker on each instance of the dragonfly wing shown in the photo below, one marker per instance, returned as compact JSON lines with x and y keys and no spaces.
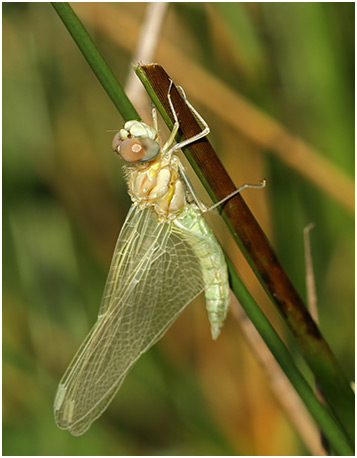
{"x":154,"y":274}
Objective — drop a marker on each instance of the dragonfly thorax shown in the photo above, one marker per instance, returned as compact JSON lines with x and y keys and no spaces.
{"x":157,"y":184}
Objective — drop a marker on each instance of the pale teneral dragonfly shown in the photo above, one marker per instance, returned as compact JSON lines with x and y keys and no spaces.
{"x":165,"y":256}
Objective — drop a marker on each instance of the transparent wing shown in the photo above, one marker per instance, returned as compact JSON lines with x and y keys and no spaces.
{"x":154,"y":274}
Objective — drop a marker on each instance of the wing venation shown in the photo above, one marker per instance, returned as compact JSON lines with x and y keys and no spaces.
{"x":154,"y":274}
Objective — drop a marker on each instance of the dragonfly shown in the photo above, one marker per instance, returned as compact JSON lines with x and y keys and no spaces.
{"x":165,"y":256}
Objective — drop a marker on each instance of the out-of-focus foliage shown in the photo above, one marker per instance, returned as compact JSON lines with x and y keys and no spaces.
{"x":65,"y":200}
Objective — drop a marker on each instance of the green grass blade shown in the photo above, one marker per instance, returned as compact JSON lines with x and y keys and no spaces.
{"x":328,"y":426}
{"x":95,"y":60}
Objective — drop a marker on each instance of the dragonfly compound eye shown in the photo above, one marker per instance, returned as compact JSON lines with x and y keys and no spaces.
{"x":130,"y":150}
{"x":118,"y":139}
{"x":137,"y":149}
{"x":151,"y":148}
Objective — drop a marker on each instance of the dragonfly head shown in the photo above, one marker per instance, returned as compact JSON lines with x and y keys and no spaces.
{"x":136,"y":142}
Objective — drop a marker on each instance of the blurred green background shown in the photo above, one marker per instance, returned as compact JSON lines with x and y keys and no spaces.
{"x":64,"y":200}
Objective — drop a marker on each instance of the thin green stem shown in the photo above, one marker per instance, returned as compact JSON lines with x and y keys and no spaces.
{"x":96,"y":61}
{"x":322,"y":417}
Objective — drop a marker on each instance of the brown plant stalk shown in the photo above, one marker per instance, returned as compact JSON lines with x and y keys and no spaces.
{"x":254,"y":244}
{"x":252,"y":122}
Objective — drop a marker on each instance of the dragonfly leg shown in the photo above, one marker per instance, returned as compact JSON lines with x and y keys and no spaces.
{"x":205,"y":131}
{"x":171,"y":139}
{"x":262,"y":184}
{"x":205,"y":128}
{"x":154,"y":119}
{"x":202,"y":207}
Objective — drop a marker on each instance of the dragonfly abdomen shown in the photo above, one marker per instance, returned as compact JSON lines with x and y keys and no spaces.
{"x":214,"y":268}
